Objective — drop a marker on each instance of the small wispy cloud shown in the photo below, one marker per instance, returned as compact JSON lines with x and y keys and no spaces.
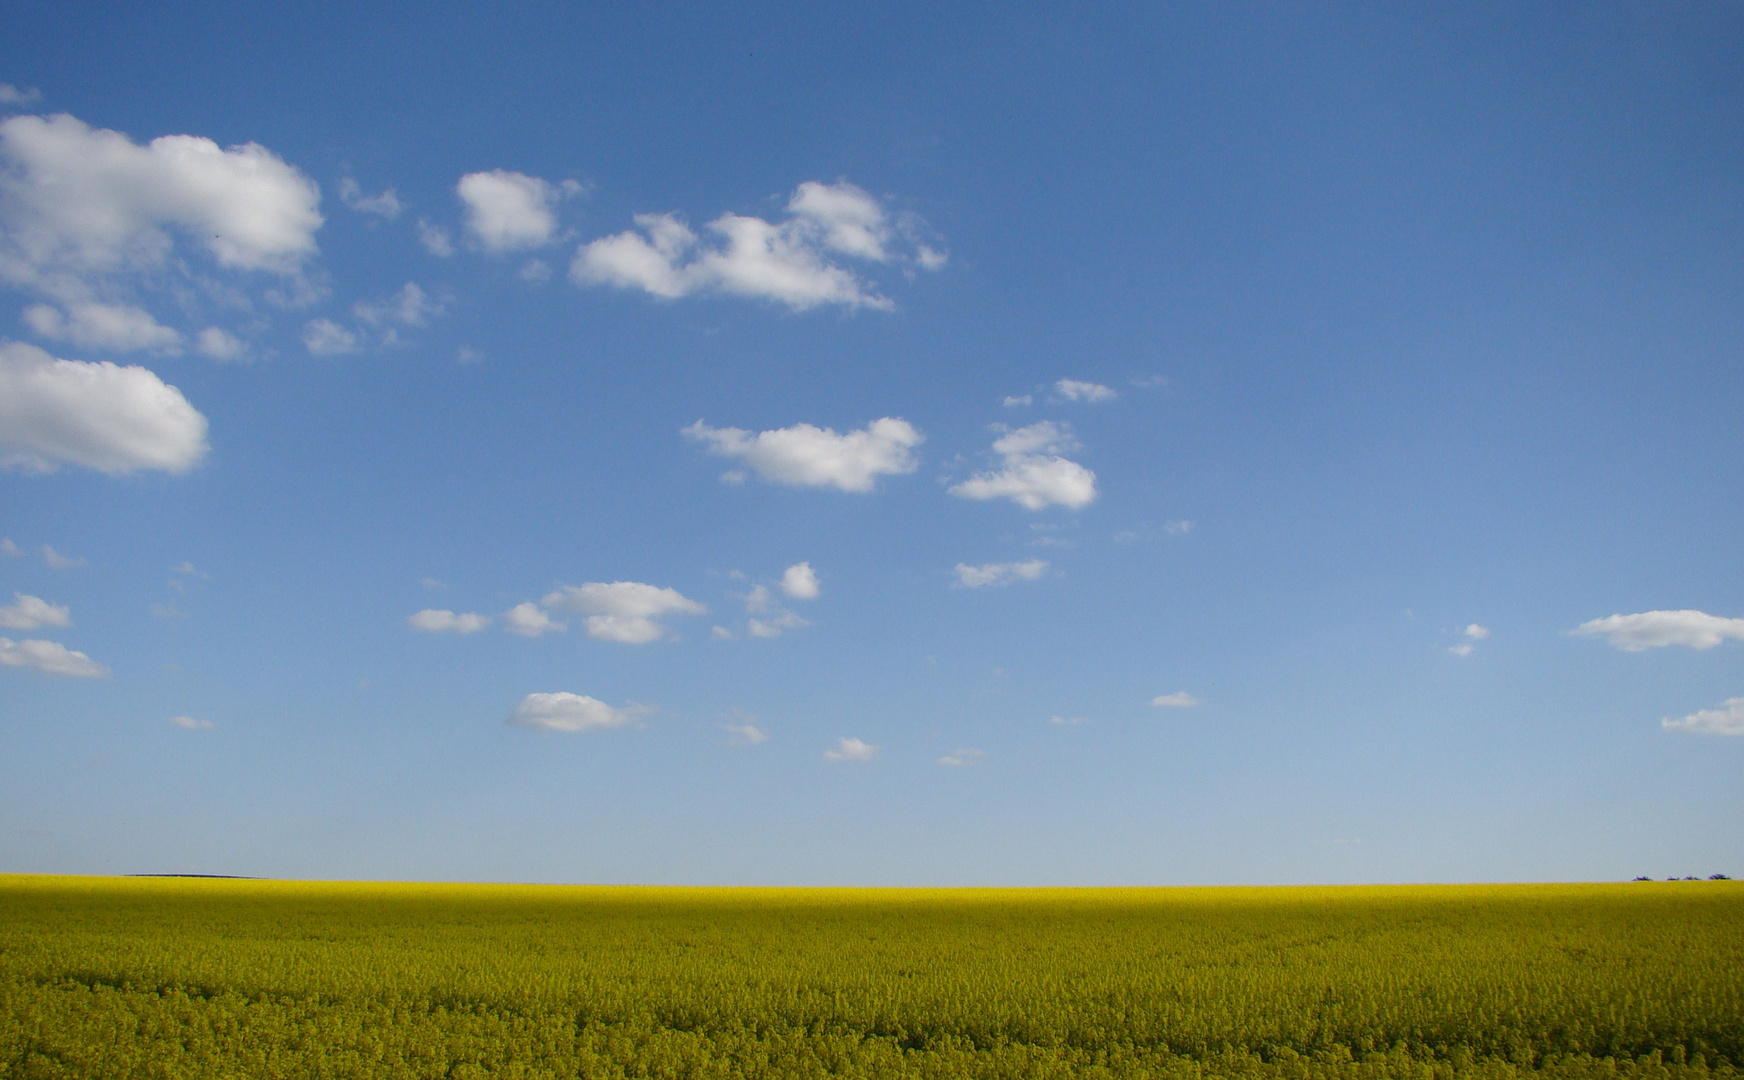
{"x":1472,"y":634}
{"x":58,"y":561}
{"x":188,"y":723}
{"x":385,"y":205}
{"x":443,"y":621}
{"x":567,"y":712}
{"x":745,"y":732}
{"x":994,"y":574}
{"x":960,"y":758}
{"x":1076,"y":390}
{"x":851,"y":749}
{"x":1067,"y":721}
{"x":1180,"y":699}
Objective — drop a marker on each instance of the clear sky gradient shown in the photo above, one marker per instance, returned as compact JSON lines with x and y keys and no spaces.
{"x":927,"y":444}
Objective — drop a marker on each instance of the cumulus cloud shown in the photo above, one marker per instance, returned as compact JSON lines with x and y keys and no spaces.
{"x":511,"y":211}
{"x":12,"y":95}
{"x":50,"y":658}
{"x":93,"y":325}
{"x":1074,"y":390}
{"x":78,"y":204}
{"x":1034,"y":475}
{"x":530,"y":620}
{"x":31,"y":612}
{"x":1728,"y":719}
{"x":443,"y":621}
{"x":1017,"y":401}
{"x":960,"y":758}
{"x":622,"y":611}
{"x":788,"y":262}
{"x":188,"y":723}
{"x":851,"y":750}
{"x":386,"y":205}
{"x":977,"y":577}
{"x":113,"y":419}
{"x":572,"y":712}
{"x":800,"y":581}
{"x":1655,"y":629}
{"x":1180,"y":699}
{"x":807,"y":456}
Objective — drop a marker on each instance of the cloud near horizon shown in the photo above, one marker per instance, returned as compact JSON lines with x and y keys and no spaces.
{"x":808,"y":456}
{"x":1657,"y":629}
{"x":626,"y":612}
{"x":50,"y":658}
{"x":1728,"y":719}
{"x":567,"y":712}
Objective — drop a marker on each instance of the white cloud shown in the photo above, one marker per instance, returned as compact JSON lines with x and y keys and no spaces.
{"x":1654,"y":629}
{"x":1178,"y":528}
{"x":113,"y":419}
{"x":9,"y":549}
{"x":1067,"y":721}
{"x":572,"y":712}
{"x":976,"y":577}
{"x":1074,"y":390}
{"x":511,"y":211}
{"x":324,"y":337}
{"x":30,"y":612}
{"x":12,"y":95}
{"x":217,"y":344}
{"x":93,"y":325}
{"x":622,"y":611}
{"x":442,"y":621}
{"x":1017,"y":401}
{"x":746,"y":733}
{"x":57,"y":561}
{"x":78,"y":204}
{"x":1180,"y":699}
{"x":800,"y":581}
{"x":1472,"y":634}
{"x":530,"y":620}
{"x":1728,"y":719}
{"x":721,"y":633}
{"x":961,"y":758}
{"x":411,"y":306}
{"x":1034,"y":475}
{"x":50,"y":658}
{"x":787,"y":261}
{"x":435,"y":238}
{"x":190,"y":724}
{"x":775,"y":625}
{"x":851,"y":750}
{"x":187,"y":569}
{"x":386,"y":205}
{"x":807,"y":456}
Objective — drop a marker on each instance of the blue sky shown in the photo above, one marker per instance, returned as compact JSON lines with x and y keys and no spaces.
{"x":946,"y":444}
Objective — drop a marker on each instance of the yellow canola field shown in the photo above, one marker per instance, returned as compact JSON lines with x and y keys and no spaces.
{"x":163,"y":977}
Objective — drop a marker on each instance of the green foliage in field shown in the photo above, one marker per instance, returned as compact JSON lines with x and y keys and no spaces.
{"x":188,"y":978}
